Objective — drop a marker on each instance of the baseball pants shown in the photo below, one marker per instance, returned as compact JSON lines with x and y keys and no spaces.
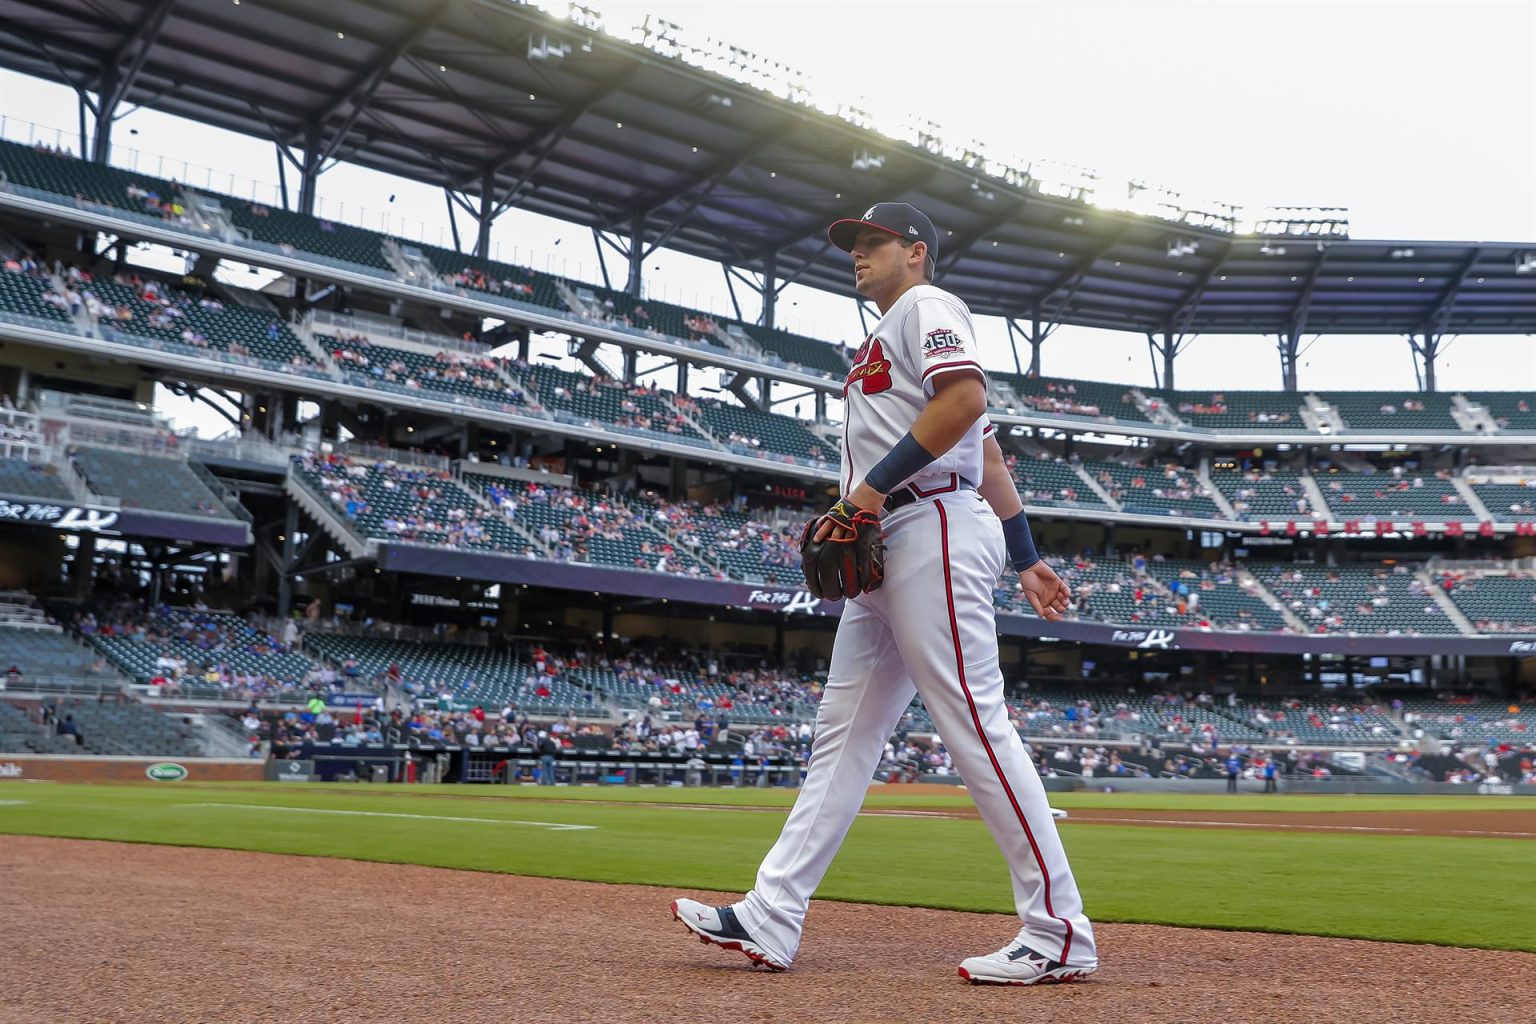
{"x":931,"y":629}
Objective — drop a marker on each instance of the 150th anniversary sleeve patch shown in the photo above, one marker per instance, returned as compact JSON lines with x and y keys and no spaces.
{"x":942,"y":342}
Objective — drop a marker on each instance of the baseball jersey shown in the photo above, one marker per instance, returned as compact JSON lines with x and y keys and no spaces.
{"x":927,"y":332}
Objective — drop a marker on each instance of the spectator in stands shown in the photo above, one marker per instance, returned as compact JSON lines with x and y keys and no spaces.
{"x":547,"y":749}
{"x":67,"y":727}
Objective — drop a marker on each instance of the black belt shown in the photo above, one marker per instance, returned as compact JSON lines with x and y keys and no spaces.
{"x":904,"y":496}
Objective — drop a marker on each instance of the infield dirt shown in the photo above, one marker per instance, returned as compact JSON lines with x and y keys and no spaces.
{"x":111,"y":932}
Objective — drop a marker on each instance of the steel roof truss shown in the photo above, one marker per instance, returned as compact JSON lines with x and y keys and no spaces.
{"x":359,"y":91}
{"x":1445,"y":302}
{"x":1303,"y":307}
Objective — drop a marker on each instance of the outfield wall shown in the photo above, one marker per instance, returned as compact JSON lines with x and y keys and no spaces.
{"x":87,"y":768}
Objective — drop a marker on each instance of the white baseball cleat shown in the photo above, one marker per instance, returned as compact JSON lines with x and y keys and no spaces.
{"x":718,"y":926}
{"x":1017,"y":964}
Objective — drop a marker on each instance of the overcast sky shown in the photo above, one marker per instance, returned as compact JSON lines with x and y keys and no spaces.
{"x":1419,"y":118}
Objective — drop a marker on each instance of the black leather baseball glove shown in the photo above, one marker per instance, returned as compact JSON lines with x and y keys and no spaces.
{"x":851,"y":560}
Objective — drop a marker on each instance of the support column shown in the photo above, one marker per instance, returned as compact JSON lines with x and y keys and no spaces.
{"x":631,"y":365}
{"x":1036,"y":339}
{"x":309,"y":179}
{"x":770,"y":293}
{"x":821,"y":406}
{"x":285,"y":581}
{"x":1287,"y":346}
{"x":85,"y":565}
{"x":486,"y":217}
{"x":636,"y":254}
{"x":1425,"y":352}
{"x":1168,"y":348}
{"x":682,"y":376}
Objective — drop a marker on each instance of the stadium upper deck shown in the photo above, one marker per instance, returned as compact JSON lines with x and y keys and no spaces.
{"x":98,"y":194}
{"x":641,"y":135}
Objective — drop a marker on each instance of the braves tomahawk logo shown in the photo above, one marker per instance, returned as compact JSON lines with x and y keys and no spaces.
{"x":870,"y":368}
{"x":942,"y":342}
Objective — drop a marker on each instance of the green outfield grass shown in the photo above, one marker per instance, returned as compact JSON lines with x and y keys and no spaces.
{"x":1456,"y":891}
{"x":904,"y":796}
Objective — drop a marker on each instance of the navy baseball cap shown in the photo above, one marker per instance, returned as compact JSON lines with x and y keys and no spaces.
{"x":900,"y":219}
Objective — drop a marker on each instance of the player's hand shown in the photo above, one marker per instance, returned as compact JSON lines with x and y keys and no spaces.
{"x":865,"y":497}
{"x":1045,"y":591}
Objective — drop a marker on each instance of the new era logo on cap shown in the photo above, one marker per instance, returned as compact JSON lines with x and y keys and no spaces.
{"x":900,"y":219}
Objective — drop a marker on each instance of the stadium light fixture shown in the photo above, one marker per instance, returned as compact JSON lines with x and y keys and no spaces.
{"x":1179,"y":247}
{"x":1525,"y":263}
{"x":1401,"y":254}
{"x":543,"y":48}
{"x":864,"y":160}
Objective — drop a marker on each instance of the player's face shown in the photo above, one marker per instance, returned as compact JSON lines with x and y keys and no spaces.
{"x":879,"y":262}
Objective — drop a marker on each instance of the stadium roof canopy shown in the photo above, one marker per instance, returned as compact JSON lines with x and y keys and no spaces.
{"x":502,"y":104}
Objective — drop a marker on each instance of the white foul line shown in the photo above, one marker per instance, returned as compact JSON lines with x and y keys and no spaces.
{"x":11,"y":803}
{"x":552,"y":826}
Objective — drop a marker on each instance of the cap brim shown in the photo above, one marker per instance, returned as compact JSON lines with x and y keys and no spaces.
{"x":844,"y":233}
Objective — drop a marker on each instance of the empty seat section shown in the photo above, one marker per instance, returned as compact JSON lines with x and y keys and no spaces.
{"x":601,"y":402}
{"x":32,"y":294}
{"x":149,"y":482}
{"x":1051,"y":482}
{"x":751,"y":429}
{"x":1381,"y":496}
{"x":69,"y":177}
{"x":450,"y":374}
{"x":40,"y":653}
{"x":1381,"y":412}
{"x":586,"y":527}
{"x":825,"y":357}
{"x":1213,"y":596}
{"x":1495,"y":602}
{"x":1083,"y":399}
{"x":389,"y":501}
{"x":20,"y":478}
{"x":1269,"y":494}
{"x":1239,"y":410}
{"x":1356,"y":599}
{"x":184,"y":646}
{"x":1166,"y":490}
{"x":1508,"y":502}
{"x":295,"y":231}
{"x":504,"y":280}
{"x":1513,"y":411}
{"x":150,"y":309}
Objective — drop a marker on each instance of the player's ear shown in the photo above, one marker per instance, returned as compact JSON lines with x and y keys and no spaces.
{"x":917,"y":255}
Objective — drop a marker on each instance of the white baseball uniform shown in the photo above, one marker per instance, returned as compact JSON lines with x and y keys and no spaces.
{"x":929,"y":629}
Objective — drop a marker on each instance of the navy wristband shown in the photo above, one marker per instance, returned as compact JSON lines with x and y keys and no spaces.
{"x":1021,"y":543}
{"x":904,"y":460}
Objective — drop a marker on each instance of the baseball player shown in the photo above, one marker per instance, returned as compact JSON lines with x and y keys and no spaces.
{"x":926,"y":496}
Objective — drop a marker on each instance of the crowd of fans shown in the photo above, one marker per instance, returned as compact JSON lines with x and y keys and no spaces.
{"x":1061,"y":398}
{"x":1313,"y":605}
{"x":479,"y":372}
{"x":1169,"y":482}
{"x":1216,"y":405}
{"x":1340,"y":496}
{"x":478,"y":280}
{"x":426,"y":504}
{"x":1519,"y":620}
{"x":195,"y":649}
{"x":1245,"y":494}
